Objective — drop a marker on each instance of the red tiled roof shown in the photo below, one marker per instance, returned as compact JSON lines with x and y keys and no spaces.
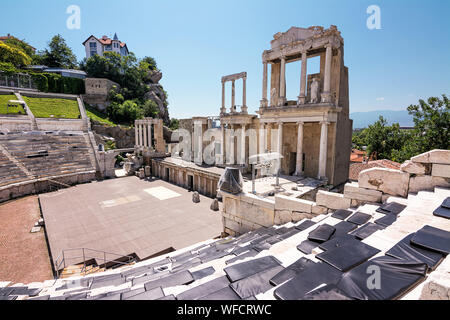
{"x":105,"y":41}
{"x":356,"y":168}
{"x":357,"y":155}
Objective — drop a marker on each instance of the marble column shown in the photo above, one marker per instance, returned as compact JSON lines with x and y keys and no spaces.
{"x":282,"y":99}
{"x":326,"y":95}
{"x":262,"y":138}
{"x":136,"y":133}
{"x":150,"y":138}
{"x":141,"y":135}
{"x":223,"y":109}
{"x":222,"y":144}
{"x":242,"y":152}
{"x":280,"y":138}
{"x":302,"y":96}
{"x":323,"y":150}
{"x":244,"y":95}
{"x":299,"y":159}
{"x":145,"y":134}
{"x":264,"y":100}
{"x":233,"y":96}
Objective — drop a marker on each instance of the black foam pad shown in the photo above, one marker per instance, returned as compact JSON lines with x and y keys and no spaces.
{"x":341,"y":214}
{"x":307,"y":280}
{"x":349,"y":255}
{"x":328,"y":292}
{"x":250,"y":253}
{"x":204,"y":289}
{"x":396,"y":277}
{"x":175,"y":279}
{"x":433,"y":239}
{"x":359,"y":218}
{"x":245,"y":269}
{"x":392,"y":207}
{"x":366,"y":230}
{"x":446,"y":203}
{"x":406,"y":251}
{"x":255,"y":284}
{"x":223,"y":294}
{"x":152,"y":294}
{"x":387,"y":220}
{"x":336,"y":242}
{"x":442,"y":212}
{"x":291,"y":271}
{"x":200,"y":274}
{"x":129,"y":294}
{"x":322,"y":233}
{"x":343,"y":228}
{"x":305,"y":225}
{"x":307,"y":246}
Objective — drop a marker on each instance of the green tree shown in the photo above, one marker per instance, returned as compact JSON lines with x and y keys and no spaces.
{"x":174,"y":124}
{"x":382,"y":140}
{"x":58,"y":54}
{"x":21,"y":45}
{"x":431,"y":125}
{"x":13,"y":55}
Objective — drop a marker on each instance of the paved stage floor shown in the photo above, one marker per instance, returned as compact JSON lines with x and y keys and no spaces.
{"x":125,"y":216}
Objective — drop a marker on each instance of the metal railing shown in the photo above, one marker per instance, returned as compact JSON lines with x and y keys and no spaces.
{"x":61,"y":261}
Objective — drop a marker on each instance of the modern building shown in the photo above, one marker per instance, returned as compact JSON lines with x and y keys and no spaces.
{"x":94,"y":45}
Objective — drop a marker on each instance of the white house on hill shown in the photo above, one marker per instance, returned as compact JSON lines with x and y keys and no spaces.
{"x":98,"y":46}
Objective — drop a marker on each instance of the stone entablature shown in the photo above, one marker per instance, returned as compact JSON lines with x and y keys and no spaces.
{"x":233,"y":78}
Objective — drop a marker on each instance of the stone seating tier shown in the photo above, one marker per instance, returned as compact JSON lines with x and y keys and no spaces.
{"x":62,"y":153}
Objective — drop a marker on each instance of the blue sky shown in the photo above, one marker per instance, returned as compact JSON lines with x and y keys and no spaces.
{"x":195,"y":43}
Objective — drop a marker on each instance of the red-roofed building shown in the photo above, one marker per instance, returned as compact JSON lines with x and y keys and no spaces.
{"x":357,"y":156}
{"x":94,"y":45}
{"x":356,"y":168}
{"x":4,"y":38}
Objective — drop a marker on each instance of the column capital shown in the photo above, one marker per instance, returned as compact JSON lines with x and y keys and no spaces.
{"x":300,"y":123}
{"x":324,"y":122}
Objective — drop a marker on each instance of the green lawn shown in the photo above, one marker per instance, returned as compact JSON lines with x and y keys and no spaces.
{"x":97,"y":115}
{"x":4,"y":101}
{"x":53,"y":108}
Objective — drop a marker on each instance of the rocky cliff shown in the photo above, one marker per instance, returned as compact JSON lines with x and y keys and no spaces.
{"x":157,"y":94}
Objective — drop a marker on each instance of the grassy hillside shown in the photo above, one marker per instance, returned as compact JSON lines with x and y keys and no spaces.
{"x":53,"y":108}
{"x":3,"y":104}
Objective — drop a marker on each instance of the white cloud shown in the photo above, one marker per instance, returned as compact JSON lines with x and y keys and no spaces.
{"x":380,"y":99}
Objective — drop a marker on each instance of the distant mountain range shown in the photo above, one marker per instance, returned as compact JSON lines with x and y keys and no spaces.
{"x":364,"y":119}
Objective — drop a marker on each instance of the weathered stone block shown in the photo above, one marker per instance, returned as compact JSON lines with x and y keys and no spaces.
{"x":394,"y":182}
{"x":332,"y":200}
{"x":316,"y":209}
{"x":427,"y":183}
{"x":353,"y":191}
{"x":433,"y":156}
{"x":195,"y":197}
{"x":282,"y":217}
{"x":292,"y":204}
{"x":413,"y":167}
{"x":441,"y":170}
{"x":298,"y":216}
{"x":215,"y":205}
